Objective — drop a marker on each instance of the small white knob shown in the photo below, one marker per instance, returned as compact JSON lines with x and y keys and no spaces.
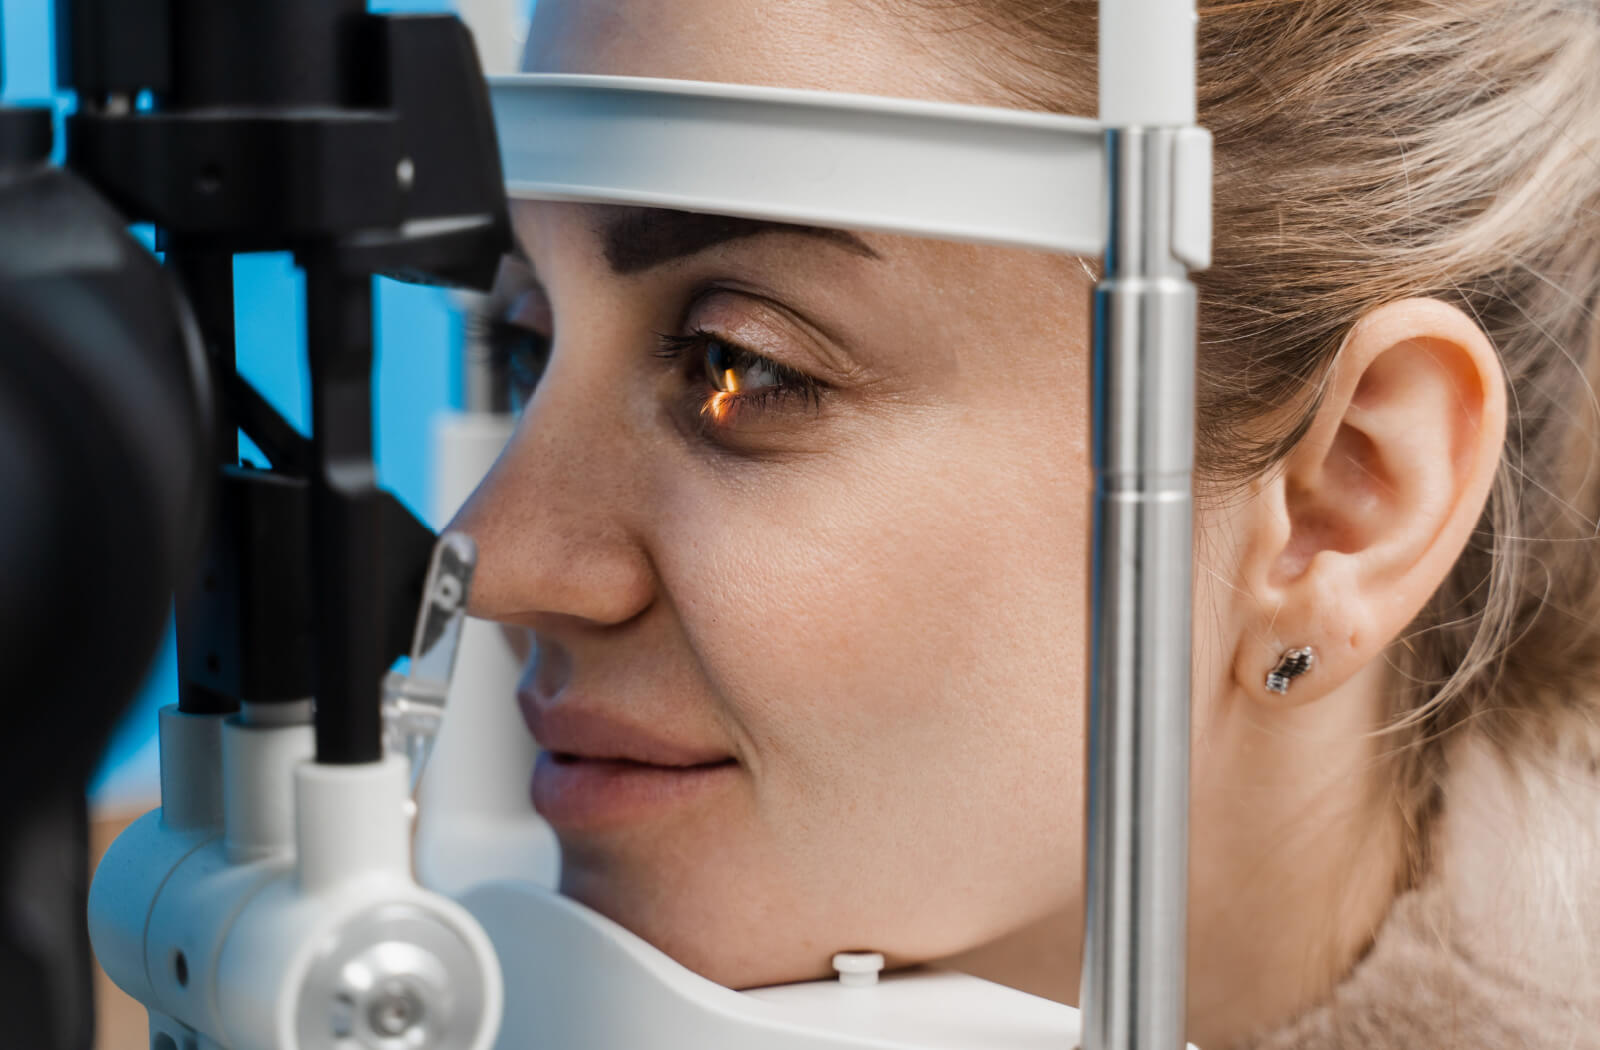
{"x":858,"y":969}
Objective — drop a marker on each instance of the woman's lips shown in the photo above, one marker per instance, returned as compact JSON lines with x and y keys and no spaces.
{"x":597,"y":771}
{"x":595,"y":794}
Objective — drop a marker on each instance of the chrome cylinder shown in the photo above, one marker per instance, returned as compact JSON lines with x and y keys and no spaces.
{"x":1138,"y":746}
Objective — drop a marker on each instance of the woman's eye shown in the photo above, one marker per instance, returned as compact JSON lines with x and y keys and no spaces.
{"x":728,"y":382}
{"x":517,"y":323}
{"x":524,"y":353}
{"x":732,"y":371}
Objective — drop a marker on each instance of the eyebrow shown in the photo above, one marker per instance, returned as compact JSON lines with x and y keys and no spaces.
{"x":639,"y":239}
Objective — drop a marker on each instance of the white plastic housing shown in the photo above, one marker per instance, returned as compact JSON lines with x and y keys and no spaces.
{"x":121,"y":898}
{"x":191,"y":768}
{"x":134,"y":868}
{"x":258,"y":767}
{"x":353,"y":847}
{"x":567,"y":963}
{"x":335,"y":850}
{"x":215,"y":934}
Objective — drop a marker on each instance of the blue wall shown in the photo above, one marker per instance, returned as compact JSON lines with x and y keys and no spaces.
{"x":417,"y":343}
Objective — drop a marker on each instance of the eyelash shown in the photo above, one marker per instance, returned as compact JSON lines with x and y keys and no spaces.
{"x":524,"y":353}
{"x":719,"y":408}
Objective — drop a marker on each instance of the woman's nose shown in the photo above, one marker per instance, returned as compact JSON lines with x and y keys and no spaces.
{"x":555,"y":520}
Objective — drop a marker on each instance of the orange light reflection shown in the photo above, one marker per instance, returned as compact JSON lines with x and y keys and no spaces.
{"x":717,"y":405}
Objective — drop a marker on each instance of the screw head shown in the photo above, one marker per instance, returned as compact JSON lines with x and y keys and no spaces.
{"x":395,"y":1010}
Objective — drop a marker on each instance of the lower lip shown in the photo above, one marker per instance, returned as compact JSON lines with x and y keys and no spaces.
{"x":582,"y":794}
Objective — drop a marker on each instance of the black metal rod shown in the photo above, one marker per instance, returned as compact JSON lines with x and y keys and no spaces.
{"x":285,"y":447}
{"x":346,"y":553}
{"x":207,"y":279}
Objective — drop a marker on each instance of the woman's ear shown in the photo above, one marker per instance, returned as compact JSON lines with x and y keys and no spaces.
{"x":1374,"y":505}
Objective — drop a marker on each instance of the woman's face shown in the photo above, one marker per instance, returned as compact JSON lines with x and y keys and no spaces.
{"x":798,"y":525}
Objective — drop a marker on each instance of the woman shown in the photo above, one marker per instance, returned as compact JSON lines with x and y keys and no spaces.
{"x":797,"y":523}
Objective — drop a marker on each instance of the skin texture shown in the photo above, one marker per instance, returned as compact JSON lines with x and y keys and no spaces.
{"x":876,"y":602}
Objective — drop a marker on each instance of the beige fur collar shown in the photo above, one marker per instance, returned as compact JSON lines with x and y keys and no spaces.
{"x":1499,"y":949}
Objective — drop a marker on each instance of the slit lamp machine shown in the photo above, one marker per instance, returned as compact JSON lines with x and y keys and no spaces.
{"x":363,"y":872}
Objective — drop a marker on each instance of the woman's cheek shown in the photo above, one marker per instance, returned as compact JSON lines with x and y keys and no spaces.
{"x":845,"y":615}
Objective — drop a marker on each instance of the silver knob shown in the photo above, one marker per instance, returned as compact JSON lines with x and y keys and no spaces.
{"x":395,"y":978}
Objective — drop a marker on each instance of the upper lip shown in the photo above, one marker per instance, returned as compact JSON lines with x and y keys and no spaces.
{"x":586,"y":733}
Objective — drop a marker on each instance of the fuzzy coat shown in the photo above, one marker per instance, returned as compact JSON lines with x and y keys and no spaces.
{"x":1499,"y":947}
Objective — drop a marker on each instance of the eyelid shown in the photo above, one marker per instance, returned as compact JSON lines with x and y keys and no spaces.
{"x":768,"y":328}
{"x":685,"y":348}
{"x":718,"y":414}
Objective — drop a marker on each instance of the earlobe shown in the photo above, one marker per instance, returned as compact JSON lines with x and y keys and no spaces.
{"x":1375,"y":504}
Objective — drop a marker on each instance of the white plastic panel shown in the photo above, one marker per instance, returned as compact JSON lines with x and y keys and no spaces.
{"x":579,"y":981}
{"x":967,"y":173}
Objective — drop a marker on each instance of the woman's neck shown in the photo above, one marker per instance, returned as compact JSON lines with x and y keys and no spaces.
{"x":1297,"y":851}
{"x":1295,"y":856}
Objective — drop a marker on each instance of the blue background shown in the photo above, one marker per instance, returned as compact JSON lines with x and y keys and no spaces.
{"x":418,"y":345}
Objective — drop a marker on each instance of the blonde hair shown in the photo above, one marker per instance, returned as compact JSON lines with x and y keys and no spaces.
{"x":1375,"y":150}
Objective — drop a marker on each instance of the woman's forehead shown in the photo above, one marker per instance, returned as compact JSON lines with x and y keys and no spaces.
{"x":874,"y":47}
{"x":635,"y":239}
{"x":629,"y":241}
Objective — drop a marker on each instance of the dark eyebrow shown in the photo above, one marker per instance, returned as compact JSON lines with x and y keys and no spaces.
{"x":639,"y":239}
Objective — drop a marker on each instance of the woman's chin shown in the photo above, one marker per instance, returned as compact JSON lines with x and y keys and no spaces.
{"x":718,"y":950}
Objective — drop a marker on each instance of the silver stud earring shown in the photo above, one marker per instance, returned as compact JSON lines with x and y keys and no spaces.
{"x":1294,"y":663}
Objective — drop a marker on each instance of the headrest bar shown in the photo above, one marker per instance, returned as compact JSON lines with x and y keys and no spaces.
{"x":966,"y":173}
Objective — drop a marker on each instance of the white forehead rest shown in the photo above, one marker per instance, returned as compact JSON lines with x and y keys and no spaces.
{"x":968,"y":173}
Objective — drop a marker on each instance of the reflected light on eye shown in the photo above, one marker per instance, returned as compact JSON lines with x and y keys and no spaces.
{"x":717,"y":406}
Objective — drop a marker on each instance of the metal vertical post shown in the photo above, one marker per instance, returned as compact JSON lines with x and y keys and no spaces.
{"x":346,"y":526}
{"x":1135,"y":944}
